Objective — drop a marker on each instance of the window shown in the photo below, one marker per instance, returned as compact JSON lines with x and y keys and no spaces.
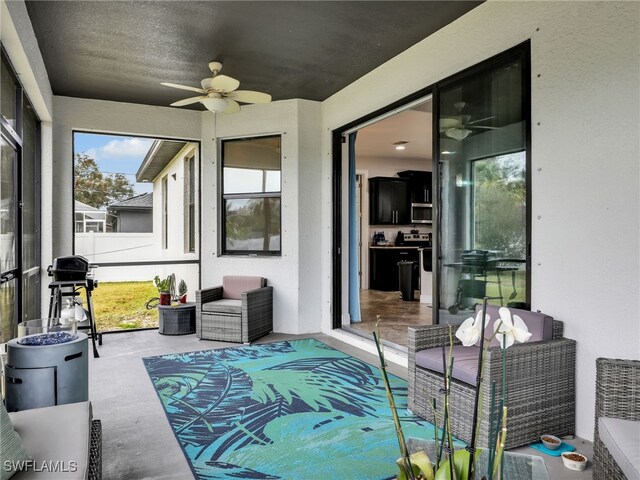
{"x":190,"y":204}
{"x":165,"y":212}
{"x":251,"y":196}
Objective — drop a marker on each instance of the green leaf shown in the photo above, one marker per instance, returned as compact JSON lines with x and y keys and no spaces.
{"x":420,"y":463}
{"x":461,"y":460}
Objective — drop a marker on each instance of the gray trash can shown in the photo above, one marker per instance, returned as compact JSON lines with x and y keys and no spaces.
{"x":405,"y":277}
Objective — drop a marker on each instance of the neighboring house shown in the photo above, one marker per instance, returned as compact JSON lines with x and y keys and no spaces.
{"x":172,"y":167}
{"x":90,"y":219}
{"x":133,"y":215}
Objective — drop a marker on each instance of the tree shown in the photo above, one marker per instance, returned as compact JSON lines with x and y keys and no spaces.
{"x":97,"y":189}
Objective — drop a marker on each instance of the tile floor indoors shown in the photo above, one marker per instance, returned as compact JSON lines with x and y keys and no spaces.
{"x":137,"y":440}
{"x":395,"y":315}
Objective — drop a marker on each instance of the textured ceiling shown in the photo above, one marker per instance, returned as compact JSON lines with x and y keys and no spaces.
{"x":122,"y":50}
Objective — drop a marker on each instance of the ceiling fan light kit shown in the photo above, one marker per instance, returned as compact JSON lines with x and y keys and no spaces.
{"x":457,"y":133}
{"x":219,"y":93}
{"x":215,"y":104}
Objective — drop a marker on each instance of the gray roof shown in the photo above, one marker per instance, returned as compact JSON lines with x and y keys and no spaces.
{"x":159,"y":156}
{"x":83,"y":207}
{"x":139,"y":202}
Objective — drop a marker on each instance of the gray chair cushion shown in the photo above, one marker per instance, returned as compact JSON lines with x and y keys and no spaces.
{"x":11,"y":447}
{"x":55,"y":433}
{"x":465,"y":362}
{"x":622,"y":438}
{"x":539,"y":325}
{"x":234,"y":285}
{"x":226,"y":305}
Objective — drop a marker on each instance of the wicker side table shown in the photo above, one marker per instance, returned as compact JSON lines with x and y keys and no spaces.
{"x":178,"y":320}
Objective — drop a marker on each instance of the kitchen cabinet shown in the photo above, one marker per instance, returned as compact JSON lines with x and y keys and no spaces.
{"x":389,"y":201}
{"x":383,"y":267}
{"x":420,"y":185}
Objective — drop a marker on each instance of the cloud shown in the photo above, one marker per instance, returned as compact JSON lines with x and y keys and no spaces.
{"x":128,"y":148}
{"x":124,"y":149}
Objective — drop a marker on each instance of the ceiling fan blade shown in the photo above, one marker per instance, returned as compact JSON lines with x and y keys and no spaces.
{"x":249,"y":96}
{"x":224,"y":84}
{"x":481,"y":120}
{"x":187,"y":101}
{"x":233,"y":106}
{"x":447,"y":123}
{"x":183,"y":87}
{"x":482,"y":126}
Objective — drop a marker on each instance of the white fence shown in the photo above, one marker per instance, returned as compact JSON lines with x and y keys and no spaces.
{"x":114,"y":248}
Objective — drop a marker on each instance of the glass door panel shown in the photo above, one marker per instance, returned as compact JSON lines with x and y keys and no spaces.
{"x":8,"y":162}
{"x":482,"y":162}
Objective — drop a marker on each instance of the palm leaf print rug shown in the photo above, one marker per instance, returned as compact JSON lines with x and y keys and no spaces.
{"x":289,"y":410}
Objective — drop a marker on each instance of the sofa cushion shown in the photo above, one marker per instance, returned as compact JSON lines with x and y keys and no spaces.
{"x":226,"y":305}
{"x":56,"y":434}
{"x":465,"y":362}
{"x":622,"y":438}
{"x":539,"y":325}
{"x":11,"y":447}
{"x":234,"y":285}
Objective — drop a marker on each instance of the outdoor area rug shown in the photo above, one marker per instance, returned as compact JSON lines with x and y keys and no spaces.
{"x":287,"y":410}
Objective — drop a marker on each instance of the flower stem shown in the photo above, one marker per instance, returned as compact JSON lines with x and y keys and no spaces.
{"x":408,"y":468}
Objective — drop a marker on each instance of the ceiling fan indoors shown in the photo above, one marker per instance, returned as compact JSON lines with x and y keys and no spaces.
{"x":459,"y":126}
{"x":218,"y":93}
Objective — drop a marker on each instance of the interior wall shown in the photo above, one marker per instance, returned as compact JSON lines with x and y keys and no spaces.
{"x":585,"y":169}
{"x":293,"y":274}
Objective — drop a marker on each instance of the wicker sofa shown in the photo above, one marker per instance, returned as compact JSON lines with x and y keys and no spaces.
{"x":540,"y":382}
{"x":66,"y":437}
{"x":616,"y":443}
{"x":240,"y":310}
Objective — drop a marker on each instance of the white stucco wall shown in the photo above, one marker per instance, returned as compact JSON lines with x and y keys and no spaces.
{"x":585,"y":151}
{"x":293,"y":274}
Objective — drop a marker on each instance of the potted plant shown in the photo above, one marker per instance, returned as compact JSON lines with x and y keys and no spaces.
{"x":164,"y":289}
{"x":182,"y":291}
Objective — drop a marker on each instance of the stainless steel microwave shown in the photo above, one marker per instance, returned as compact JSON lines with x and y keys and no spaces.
{"x":421,"y":213}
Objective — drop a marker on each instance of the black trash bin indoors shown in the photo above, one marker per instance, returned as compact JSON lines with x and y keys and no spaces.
{"x":405,"y":277}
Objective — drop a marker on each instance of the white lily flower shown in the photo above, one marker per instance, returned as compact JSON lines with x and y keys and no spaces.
{"x":471,"y":329}
{"x":509,"y":330}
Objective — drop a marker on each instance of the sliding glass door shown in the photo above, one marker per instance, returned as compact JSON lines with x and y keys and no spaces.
{"x":19,"y":206}
{"x":483,"y":186}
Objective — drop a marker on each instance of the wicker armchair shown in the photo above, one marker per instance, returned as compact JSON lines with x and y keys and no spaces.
{"x":240,"y":310}
{"x":540,"y":386}
{"x":617,"y":396}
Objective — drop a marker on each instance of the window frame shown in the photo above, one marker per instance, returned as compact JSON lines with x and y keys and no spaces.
{"x":164,"y":182}
{"x":190,"y":203}
{"x":246,"y":195}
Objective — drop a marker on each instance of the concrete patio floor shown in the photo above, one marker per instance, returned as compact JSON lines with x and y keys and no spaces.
{"x":137,"y":440}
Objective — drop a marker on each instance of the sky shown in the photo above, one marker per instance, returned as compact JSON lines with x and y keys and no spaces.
{"x":115,"y":154}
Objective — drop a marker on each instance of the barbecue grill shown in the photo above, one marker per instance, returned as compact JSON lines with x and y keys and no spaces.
{"x":69,"y":274}
{"x":73,"y":267}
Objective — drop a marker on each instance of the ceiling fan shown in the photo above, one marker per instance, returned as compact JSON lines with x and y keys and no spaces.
{"x":218,"y":93}
{"x":459,"y":127}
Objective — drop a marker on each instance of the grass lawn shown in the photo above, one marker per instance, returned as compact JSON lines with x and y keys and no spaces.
{"x":121,"y":305}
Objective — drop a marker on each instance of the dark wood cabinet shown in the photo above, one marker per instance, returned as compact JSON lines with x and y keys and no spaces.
{"x":389,"y":201}
{"x":383,"y":267}
{"x":420,"y":185}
